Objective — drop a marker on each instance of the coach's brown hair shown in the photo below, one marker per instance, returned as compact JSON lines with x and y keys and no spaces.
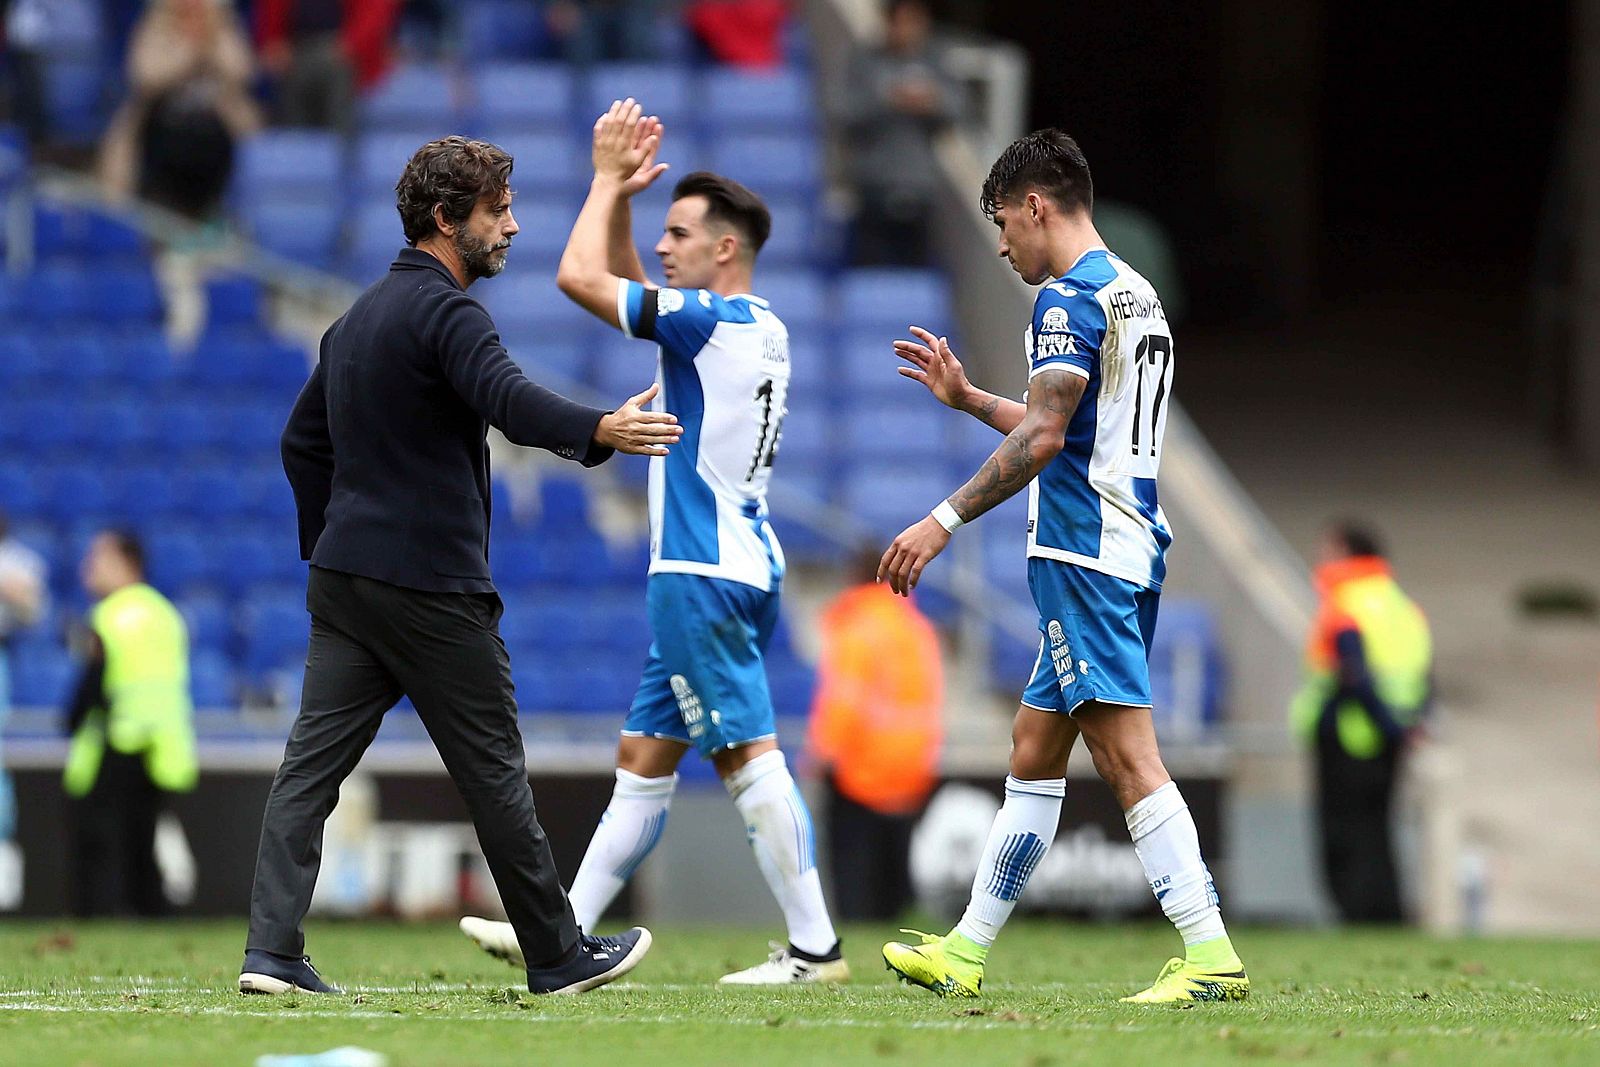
{"x":454,"y":173}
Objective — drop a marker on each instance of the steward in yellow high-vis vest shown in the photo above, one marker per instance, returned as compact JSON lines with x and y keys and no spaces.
{"x":132,"y":730}
{"x":1369,"y":663}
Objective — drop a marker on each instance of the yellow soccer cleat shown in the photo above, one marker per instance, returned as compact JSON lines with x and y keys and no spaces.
{"x":936,"y":964}
{"x":1180,"y":983}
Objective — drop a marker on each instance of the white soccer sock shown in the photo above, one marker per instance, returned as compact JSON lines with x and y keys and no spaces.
{"x":779,"y":825}
{"x":1169,"y":847}
{"x":629,"y":829}
{"x":1022,"y":832}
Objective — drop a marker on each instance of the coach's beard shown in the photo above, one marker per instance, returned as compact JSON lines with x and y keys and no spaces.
{"x":479,"y":258}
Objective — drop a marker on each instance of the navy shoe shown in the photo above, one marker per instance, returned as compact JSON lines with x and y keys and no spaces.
{"x":268,"y":972}
{"x":593,"y":962}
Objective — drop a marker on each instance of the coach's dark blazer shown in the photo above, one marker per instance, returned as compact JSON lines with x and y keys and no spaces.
{"x":386,"y":447}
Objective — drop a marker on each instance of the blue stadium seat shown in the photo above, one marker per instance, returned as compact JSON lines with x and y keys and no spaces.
{"x":376,"y":234}
{"x":742,"y":99}
{"x":58,"y":293}
{"x":550,"y":361}
{"x":809,"y":437}
{"x":868,"y":368}
{"x":523,"y":302}
{"x":1186,"y":668}
{"x":234,"y":300}
{"x":888,"y":497}
{"x":43,"y":679}
{"x":275,"y":632}
{"x":127,"y":295}
{"x":304,"y":230}
{"x":420,"y":97}
{"x":525,"y":96}
{"x":20,"y":491}
{"x":799,"y":297}
{"x":22,"y":359}
{"x":667,"y":90}
{"x":143,"y":358}
{"x":289,"y":164}
{"x":209,"y":619}
{"x":503,"y":29}
{"x":917,"y":431}
{"x":76,"y":232}
{"x":380,"y":157}
{"x":895,"y":296}
{"x":177,"y":559}
{"x":624,"y":366}
{"x":546,"y":162}
{"x":74,"y":90}
{"x":771,"y":164}
{"x":792,"y":241}
{"x":79,"y":491}
{"x":211,"y":680}
{"x":119,"y":421}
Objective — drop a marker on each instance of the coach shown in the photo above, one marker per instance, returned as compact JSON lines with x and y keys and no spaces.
{"x":386,"y":452}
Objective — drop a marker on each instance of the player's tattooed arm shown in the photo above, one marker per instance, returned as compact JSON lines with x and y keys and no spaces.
{"x":1052,"y":398}
{"x":935,"y":365}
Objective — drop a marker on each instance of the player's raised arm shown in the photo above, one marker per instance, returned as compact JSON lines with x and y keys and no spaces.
{"x":1053,"y":396}
{"x":934,"y":364}
{"x":600,"y":252}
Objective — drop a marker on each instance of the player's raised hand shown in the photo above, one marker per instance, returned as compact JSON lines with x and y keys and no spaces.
{"x":914,"y":549}
{"x":625,"y":145}
{"x":935,"y":366}
{"x":637,"y":431}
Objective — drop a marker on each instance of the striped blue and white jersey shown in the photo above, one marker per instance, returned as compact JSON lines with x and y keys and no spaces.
{"x":723,"y":367}
{"x":1095,"y":504}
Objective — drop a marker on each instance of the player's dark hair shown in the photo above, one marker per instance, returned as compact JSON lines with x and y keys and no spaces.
{"x":128,"y":546}
{"x":1358,"y":539}
{"x":730,"y":203}
{"x":1048,"y":161}
{"x":453,"y":172}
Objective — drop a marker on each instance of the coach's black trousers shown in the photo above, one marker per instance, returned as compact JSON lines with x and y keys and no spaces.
{"x":371,"y":642}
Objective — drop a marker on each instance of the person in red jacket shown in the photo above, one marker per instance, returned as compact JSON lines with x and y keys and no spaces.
{"x":320,"y":53}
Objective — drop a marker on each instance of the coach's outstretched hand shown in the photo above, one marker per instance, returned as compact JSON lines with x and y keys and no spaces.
{"x":935,"y":366}
{"x":626,"y":141}
{"x":638,"y":432}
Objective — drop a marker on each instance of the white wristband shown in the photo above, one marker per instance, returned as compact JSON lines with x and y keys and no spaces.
{"x":946,"y":516}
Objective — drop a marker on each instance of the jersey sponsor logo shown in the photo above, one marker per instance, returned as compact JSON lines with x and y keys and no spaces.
{"x":1052,"y":345}
{"x":705,"y":299}
{"x":1061,"y":287}
{"x":668,"y":301}
{"x":1060,"y":654}
{"x":1054,"y":321}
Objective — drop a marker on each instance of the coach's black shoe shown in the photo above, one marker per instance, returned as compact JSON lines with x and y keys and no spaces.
{"x":593,"y":962}
{"x":268,"y":972}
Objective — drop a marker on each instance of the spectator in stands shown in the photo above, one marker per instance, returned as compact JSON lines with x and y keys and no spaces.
{"x":319,"y":52}
{"x":741,"y":33}
{"x":893,"y":102}
{"x":596,"y":31}
{"x":1369,"y":658}
{"x":132,"y":731}
{"x":22,"y":602}
{"x":875,"y":730}
{"x":189,"y":72}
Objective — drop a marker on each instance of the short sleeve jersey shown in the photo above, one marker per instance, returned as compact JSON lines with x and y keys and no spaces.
{"x":1095,"y":504}
{"x":723,"y":368}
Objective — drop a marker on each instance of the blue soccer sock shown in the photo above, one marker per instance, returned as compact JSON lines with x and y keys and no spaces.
{"x":1021,"y":835}
{"x":632,"y":824}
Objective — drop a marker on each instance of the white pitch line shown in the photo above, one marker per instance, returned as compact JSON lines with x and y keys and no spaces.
{"x":777,"y":1022}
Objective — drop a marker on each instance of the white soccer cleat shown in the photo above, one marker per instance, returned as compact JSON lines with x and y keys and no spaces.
{"x":785,"y":968}
{"x":497,"y":939}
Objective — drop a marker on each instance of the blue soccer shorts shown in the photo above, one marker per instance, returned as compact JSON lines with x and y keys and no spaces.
{"x":1094,"y":638}
{"x":705,"y":683}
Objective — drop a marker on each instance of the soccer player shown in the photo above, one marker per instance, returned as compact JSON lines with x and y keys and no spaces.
{"x":715,"y":566}
{"x":1087,"y":442}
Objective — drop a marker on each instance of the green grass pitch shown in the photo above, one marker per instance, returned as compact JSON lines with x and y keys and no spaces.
{"x":130,"y":994}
